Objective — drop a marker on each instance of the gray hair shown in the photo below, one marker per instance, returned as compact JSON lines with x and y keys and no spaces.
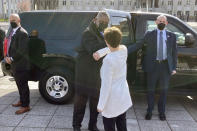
{"x":102,"y":14}
{"x":162,"y":16}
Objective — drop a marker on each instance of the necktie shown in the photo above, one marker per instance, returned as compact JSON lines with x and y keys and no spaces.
{"x":160,"y":53}
{"x":7,"y":43}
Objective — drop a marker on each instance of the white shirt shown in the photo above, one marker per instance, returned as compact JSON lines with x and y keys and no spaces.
{"x":14,"y":30}
{"x":164,"y":43}
{"x":114,"y":97}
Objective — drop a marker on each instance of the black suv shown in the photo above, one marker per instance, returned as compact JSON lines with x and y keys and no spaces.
{"x":62,"y":33}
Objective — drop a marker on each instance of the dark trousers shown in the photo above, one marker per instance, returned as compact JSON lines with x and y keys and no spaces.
{"x":21,"y":78}
{"x":79,"y":110}
{"x":161,"y":76}
{"x":119,"y":121}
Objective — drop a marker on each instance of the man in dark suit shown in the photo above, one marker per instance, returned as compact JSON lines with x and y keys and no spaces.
{"x":16,"y":54}
{"x":159,"y":63}
{"x":87,"y":78}
{"x":2,"y":36}
{"x":36,"y":50}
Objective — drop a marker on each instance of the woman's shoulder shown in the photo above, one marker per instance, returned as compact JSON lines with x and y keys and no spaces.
{"x":123,"y":47}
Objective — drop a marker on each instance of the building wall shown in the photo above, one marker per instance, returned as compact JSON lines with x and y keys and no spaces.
{"x":174,"y":7}
{"x":45,"y":4}
{"x":184,"y":9}
{"x":8,"y":7}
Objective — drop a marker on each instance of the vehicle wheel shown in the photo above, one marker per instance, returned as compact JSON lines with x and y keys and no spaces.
{"x":56,"y":86}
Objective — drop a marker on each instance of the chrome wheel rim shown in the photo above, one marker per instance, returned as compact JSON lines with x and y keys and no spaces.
{"x":57,"y":86}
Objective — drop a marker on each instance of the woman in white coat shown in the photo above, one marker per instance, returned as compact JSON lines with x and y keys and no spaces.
{"x":114,"y":99}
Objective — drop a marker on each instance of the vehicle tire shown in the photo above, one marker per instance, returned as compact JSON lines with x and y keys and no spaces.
{"x":56,"y":85}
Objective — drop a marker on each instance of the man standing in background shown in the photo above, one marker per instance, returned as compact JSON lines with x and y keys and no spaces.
{"x":159,"y":62}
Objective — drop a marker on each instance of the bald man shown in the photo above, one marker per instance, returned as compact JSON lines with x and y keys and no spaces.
{"x":16,"y":54}
{"x":160,"y":59}
{"x":88,"y":87}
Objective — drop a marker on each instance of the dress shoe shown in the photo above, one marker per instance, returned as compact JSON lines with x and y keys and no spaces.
{"x":17,"y":104}
{"x":22,"y":110}
{"x":162,"y":117}
{"x":148,"y":116}
{"x":76,"y":129}
{"x":94,"y":128}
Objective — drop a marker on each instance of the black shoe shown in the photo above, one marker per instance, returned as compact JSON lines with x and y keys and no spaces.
{"x":94,"y":128}
{"x":162,"y":117}
{"x":148,"y":116}
{"x":76,"y":129}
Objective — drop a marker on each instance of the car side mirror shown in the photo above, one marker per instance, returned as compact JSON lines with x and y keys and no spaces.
{"x":189,"y":39}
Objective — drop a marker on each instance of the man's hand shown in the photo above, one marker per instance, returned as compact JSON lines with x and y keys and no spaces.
{"x":99,"y":110}
{"x":173,"y":72}
{"x":8,"y":60}
{"x":96,"y":56}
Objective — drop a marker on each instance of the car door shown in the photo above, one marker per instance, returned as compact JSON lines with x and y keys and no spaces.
{"x":122,"y":20}
{"x":187,"y":56}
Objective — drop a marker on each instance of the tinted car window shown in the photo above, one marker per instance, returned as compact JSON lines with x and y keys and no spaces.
{"x":122,"y":24}
{"x":150,"y":25}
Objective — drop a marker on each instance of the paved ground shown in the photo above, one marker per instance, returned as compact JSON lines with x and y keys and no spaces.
{"x":181,"y":113}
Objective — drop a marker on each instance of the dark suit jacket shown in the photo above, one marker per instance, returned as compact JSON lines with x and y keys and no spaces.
{"x":36,"y":50}
{"x":87,"y":76}
{"x":150,"y":43}
{"x":2,"y":36}
{"x":19,"y":50}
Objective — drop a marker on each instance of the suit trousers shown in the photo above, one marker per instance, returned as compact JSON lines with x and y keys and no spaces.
{"x":79,"y":110}
{"x":119,"y":121}
{"x":161,"y":76}
{"x":21,"y":78}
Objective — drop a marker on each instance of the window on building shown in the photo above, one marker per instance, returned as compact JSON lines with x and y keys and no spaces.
{"x":72,"y":3}
{"x":179,"y":2}
{"x":187,"y":13}
{"x":64,"y":2}
{"x":103,"y":3}
{"x":95,"y":2}
{"x":188,"y":2}
{"x":156,"y":3}
{"x":169,"y":12}
{"x":180,"y":14}
{"x":162,"y":3}
{"x":195,"y":2}
{"x":170,"y":3}
{"x":128,"y":2}
{"x":121,"y":2}
{"x":144,"y":5}
{"x":112,"y":3}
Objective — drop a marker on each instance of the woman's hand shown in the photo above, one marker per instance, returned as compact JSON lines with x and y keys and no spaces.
{"x":99,"y":110}
{"x":96,"y":56}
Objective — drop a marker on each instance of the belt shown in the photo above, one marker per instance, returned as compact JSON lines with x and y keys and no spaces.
{"x":161,"y":61}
